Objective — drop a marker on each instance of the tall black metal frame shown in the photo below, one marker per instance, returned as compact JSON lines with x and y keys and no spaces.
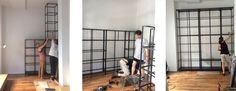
{"x":51,"y":19}
{"x":200,"y":36}
{"x":151,"y":45}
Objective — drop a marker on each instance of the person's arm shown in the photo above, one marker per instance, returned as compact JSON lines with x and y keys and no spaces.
{"x":227,"y":40}
{"x":219,"y":47}
{"x":146,"y":51}
{"x":44,"y":44}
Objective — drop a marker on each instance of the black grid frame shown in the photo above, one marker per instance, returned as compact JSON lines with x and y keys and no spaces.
{"x":108,"y":38}
{"x":198,"y":31}
{"x":51,"y":19}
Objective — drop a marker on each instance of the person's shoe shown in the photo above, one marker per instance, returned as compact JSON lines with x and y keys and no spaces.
{"x":52,"y":78}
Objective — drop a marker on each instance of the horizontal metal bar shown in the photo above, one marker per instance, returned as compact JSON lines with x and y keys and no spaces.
{"x":204,"y":18}
{"x":103,"y":40}
{"x":202,"y":35}
{"x":204,"y":9}
{"x":106,"y":58}
{"x":200,"y":43}
{"x":51,"y":22}
{"x":204,"y":26}
{"x":51,"y":30}
{"x":109,"y":30}
{"x":149,"y":66}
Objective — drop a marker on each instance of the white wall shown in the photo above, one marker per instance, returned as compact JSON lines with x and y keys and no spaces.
{"x":171,"y":36}
{"x":109,"y":14}
{"x":63,"y":45}
{"x":20,"y":23}
{"x":145,"y":13}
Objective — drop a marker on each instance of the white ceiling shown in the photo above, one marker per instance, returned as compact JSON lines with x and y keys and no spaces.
{"x":24,"y":3}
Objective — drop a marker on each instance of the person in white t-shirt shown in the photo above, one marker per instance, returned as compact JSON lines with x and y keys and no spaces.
{"x":53,"y":53}
{"x":130,"y":65}
{"x":139,"y":55}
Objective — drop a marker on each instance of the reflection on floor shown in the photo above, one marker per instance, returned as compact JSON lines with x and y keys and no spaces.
{"x":197,"y":81}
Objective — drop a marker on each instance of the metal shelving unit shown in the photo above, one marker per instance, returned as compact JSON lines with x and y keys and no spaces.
{"x":198,"y":31}
{"x":32,"y":57}
{"x":103,"y":42}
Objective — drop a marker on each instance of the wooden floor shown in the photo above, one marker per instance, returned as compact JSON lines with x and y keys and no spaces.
{"x":197,"y":81}
{"x":98,"y":79}
{"x":20,"y":83}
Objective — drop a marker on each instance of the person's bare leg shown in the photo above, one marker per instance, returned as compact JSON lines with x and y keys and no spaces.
{"x":43,"y":68}
{"x":39,"y":71}
{"x":228,"y":62}
{"x":142,"y":71}
{"x":223,"y":67}
{"x":133,"y":67}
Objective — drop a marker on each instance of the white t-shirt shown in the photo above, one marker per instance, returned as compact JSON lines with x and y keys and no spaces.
{"x":53,"y":49}
{"x":137,"y":51}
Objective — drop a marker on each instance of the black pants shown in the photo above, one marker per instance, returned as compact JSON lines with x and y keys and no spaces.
{"x":54,"y":65}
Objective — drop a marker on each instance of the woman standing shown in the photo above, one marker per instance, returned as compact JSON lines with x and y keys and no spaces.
{"x":224,"y":52}
{"x":42,"y":57}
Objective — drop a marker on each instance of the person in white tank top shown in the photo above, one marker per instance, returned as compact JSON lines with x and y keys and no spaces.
{"x":138,"y":57}
{"x":53,"y":53}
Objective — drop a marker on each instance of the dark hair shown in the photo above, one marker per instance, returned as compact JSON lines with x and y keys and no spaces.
{"x":138,"y":32}
{"x":221,"y":39}
{"x":56,"y":41}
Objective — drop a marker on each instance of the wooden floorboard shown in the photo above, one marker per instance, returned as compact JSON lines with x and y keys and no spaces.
{"x":197,"y":81}
{"x":21,"y":83}
{"x":90,"y":82}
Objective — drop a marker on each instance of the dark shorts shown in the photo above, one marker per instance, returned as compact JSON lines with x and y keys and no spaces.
{"x":139,"y":61}
{"x":130,"y":62}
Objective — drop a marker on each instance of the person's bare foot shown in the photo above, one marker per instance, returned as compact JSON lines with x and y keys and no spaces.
{"x":223,"y":73}
{"x":41,"y":77}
